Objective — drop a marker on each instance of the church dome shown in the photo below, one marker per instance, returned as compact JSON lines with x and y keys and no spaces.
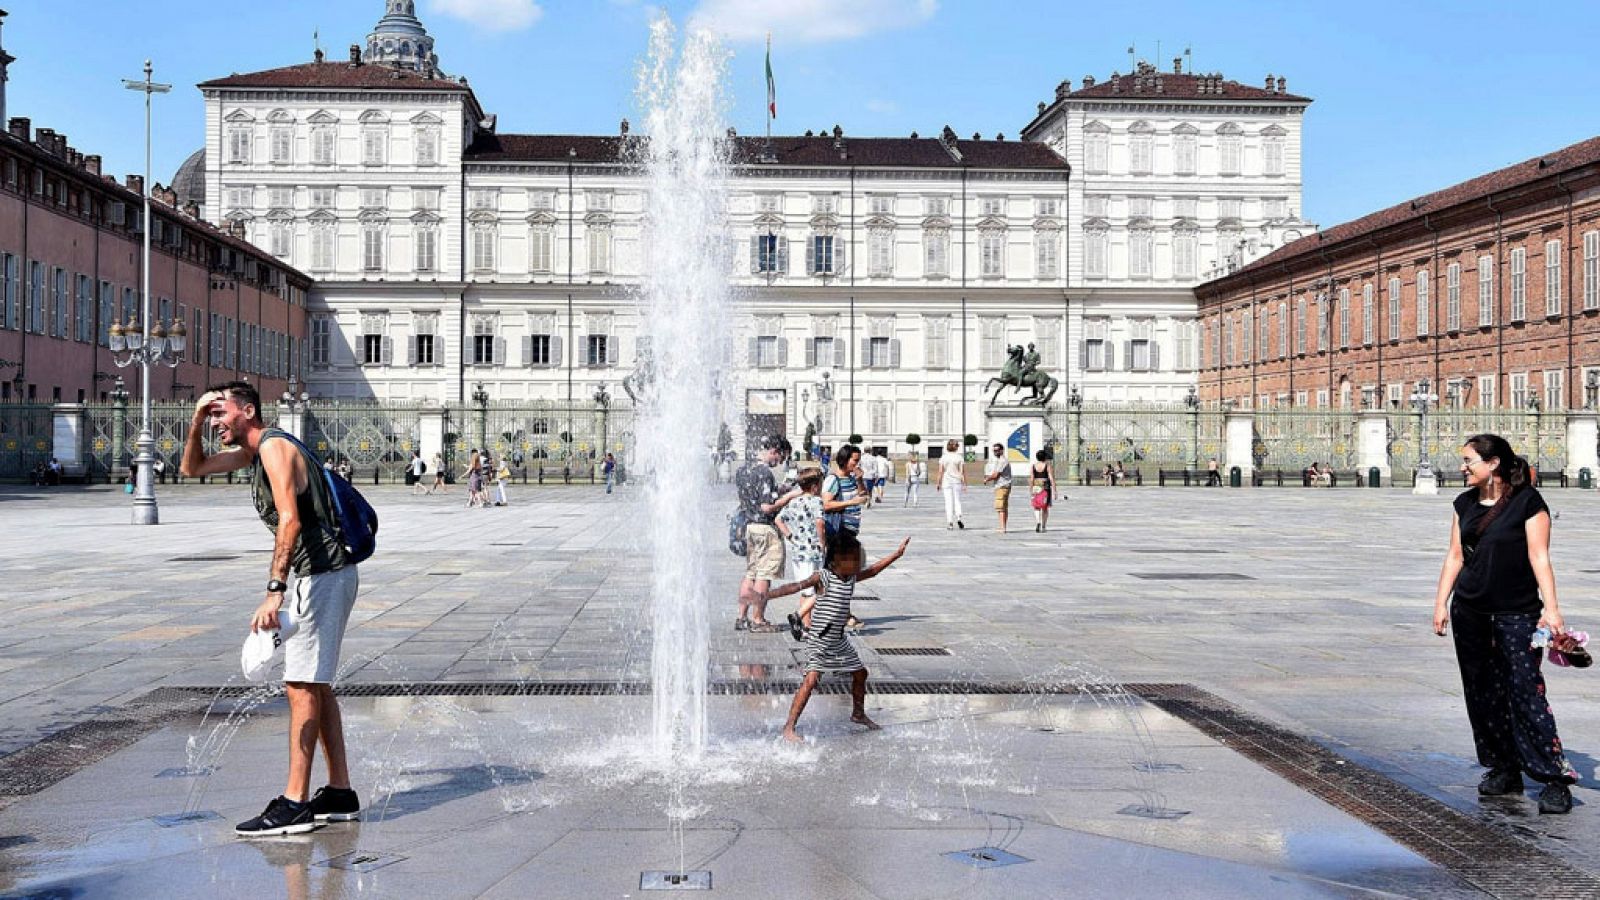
{"x":190,"y":182}
{"x":400,"y":40}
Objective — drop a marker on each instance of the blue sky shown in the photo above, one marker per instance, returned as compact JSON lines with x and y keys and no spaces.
{"x":1410,"y":96}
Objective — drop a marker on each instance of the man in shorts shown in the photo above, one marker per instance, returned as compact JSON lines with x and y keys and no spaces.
{"x":998,"y":473}
{"x":761,"y":503}
{"x":294,"y":502}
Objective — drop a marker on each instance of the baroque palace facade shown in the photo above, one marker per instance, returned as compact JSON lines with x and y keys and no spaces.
{"x":896,"y":270}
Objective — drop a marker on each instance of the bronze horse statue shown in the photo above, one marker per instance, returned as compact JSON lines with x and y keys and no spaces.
{"x":1023,"y":373}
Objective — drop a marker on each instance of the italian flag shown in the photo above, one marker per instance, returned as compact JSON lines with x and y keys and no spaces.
{"x":772,"y":87}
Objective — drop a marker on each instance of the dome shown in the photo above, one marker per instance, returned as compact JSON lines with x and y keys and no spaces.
{"x":190,"y":181}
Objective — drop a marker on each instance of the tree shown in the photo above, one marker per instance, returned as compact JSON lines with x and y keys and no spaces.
{"x":913,"y":439}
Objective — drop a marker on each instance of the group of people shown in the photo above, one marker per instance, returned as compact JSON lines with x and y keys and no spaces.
{"x":45,"y":474}
{"x":416,"y":470}
{"x":997,"y":474}
{"x":482,"y":471}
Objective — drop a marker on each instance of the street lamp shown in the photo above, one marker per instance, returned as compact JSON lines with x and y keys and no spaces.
{"x":602,"y":398}
{"x":146,"y":346}
{"x":1421,"y":398}
{"x":1192,"y":399}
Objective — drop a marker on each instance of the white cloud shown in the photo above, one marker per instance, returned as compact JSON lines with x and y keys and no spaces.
{"x":810,"y":21}
{"x":492,"y":15}
{"x":882,"y":107}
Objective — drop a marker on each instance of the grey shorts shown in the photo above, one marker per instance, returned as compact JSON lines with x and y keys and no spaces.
{"x":321,"y":604}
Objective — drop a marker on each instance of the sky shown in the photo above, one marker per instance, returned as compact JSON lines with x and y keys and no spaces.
{"x":1410,"y":96}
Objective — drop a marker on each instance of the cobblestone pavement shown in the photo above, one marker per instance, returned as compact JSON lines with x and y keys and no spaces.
{"x":1309,"y":608}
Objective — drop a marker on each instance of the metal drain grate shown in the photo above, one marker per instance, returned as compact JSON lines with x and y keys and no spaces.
{"x":201,"y":558}
{"x":444,"y":573}
{"x":1171,"y":551}
{"x":1192,"y":576}
{"x":912,"y":651}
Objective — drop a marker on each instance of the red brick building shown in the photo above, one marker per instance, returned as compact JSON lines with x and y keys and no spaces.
{"x":1490,"y":289}
{"x":70,"y":264}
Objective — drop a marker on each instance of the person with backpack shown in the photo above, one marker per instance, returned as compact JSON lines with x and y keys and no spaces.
{"x":759,"y":505}
{"x":321,"y":530}
{"x":415,"y":471}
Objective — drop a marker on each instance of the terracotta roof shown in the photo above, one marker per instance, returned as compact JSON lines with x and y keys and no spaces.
{"x":1153,"y":85}
{"x":787,"y":151}
{"x":1546,"y":166}
{"x":337,"y":75}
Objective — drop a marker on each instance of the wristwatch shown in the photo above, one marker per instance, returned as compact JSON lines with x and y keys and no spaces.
{"x":274,"y":586}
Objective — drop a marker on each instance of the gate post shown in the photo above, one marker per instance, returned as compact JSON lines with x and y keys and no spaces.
{"x":119,"y":431}
{"x":1583,"y":431}
{"x":1074,"y":445}
{"x":1372,"y":441}
{"x":67,"y":438}
{"x":432,"y":424}
{"x":292,"y":418}
{"x":1239,"y":429}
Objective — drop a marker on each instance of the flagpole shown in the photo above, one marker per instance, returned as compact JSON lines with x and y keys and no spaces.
{"x":768,"y":115}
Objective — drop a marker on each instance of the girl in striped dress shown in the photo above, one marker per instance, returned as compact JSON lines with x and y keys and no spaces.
{"x":828,"y":649}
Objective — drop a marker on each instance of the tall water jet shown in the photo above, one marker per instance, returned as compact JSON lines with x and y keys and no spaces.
{"x":687,"y":307}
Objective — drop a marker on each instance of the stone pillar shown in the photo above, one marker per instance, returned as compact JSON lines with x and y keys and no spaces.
{"x":1020,"y":429}
{"x":292,"y":418}
{"x":1583,"y":435}
{"x":432,"y":425}
{"x":1372,"y":442}
{"x":119,"y":431}
{"x":1074,"y":445}
{"x":1426,"y":481}
{"x":69,"y":421}
{"x":1194,"y":437}
{"x":1239,"y":438}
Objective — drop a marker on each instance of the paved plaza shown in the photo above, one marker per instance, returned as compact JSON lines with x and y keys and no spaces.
{"x":1232,"y":691}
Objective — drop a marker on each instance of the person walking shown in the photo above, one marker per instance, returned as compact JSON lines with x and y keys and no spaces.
{"x":1042,"y":488}
{"x":474,"y":476}
{"x":417,"y":467}
{"x":294,"y":501}
{"x":844,"y":492}
{"x":438,"y":473}
{"x":609,"y":468}
{"x":502,"y":477}
{"x":916,"y":474}
{"x":1497,"y":587}
{"x":952,"y":481}
{"x":998,"y":473}
{"x":760,"y":502}
{"x":880,"y":474}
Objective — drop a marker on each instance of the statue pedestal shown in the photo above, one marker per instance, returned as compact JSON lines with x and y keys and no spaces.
{"x":1021,"y":430}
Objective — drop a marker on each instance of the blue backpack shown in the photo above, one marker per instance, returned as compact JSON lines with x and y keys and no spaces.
{"x":358,"y":521}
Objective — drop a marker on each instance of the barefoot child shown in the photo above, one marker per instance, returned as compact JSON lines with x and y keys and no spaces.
{"x":827,"y":646}
{"x":804,"y":531}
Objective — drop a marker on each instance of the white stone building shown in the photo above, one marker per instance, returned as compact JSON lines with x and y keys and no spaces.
{"x":448,"y":254}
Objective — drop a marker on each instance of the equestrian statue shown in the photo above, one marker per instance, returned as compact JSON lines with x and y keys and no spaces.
{"x":1021,"y":371}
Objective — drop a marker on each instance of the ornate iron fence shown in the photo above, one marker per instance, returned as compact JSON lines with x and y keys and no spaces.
{"x":376,"y":439}
{"x":1146,"y":438}
{"x":26,"y":434}
{"x":112,"y":428}
{"x":1541,"y":437}
{"x":1293,"y":439}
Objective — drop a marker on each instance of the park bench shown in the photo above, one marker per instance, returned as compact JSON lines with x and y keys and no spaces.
{"x":1187,"y":476}
{"x":1556,"y":478}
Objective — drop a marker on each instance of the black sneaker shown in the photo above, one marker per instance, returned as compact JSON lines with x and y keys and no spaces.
{"x":282,"y":816}
{"x":1500,"y":781}
{"x":1555,"y":798}
{"x":797,"y":627}
{"x":960,"y":524}
{"x":331,"y":804}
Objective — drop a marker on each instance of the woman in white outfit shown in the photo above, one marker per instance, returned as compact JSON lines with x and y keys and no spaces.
{"x":916,"y":473}
{"x":952,"y":481}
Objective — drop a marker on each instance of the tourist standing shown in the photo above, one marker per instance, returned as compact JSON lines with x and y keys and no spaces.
{"x":295,"y":503}
{"x":952,"y":481}
{"x":828,"y":648}
{"x":474,"y":476}
{"x":760,"y":501}
{"x":502,"y":477}
{"x":1498,"y":587}
{"x":1213,"y":474}
{"x":998,"y":473}
{"x":416,"y":469}
{"x":609,"y":469}
{"x":916,"y":473}
{"x":438,"y":473}
{"x":880,"y":474}
{"x":804,"y":532}
{"x":1042,"y":487}
{"x":844,"y":492}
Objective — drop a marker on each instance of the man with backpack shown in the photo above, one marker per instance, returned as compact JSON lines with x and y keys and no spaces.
{"x":760,"y":503}
{"x":316,"y":539}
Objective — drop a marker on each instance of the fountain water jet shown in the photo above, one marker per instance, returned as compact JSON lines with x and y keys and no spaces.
{"x":686,"y":303}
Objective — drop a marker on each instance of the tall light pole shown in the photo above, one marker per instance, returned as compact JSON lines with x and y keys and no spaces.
{"x":147,"y":347}
{"x":1421,"y":398}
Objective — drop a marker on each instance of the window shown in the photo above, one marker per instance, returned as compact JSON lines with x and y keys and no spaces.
{"x":1394,"y":309}
{"x":880,"y":252}
{"x":485,"y":340}
{"x":238,"y":197}
{"x":992,"y":206}
{"x":63,"y":306}
{"x":1047,"y":207}
{"x":597,"y":201}
{"x":769,"y":203}
{"x":1141,"y":148}
{"x":1096,"y":249}
{"x":542,"y":346}
{"x":483,"y":248}
{"x":1552,"y":278}
{"x":374,"y":145}
{"x":1141,"y":252}
{"x":279,"y":235}
{"x":935,"y":253}
{"x":232,"y":344}
{"x":1485,"y":290}
{"x":1185,"y":250}
{"x":1228,"y":150}
{"x":424,"y":349}
{"x":322,"y":246}
{"x":1274,"y":207}
{"x":1283,"y":329}
{"x":935,"y":206}
{"x":426,"y":239}
{"x":1369,"y":316}
{"x":598,"y":349}
{"x":1486,"y":385}
{"x":1183,"y":340}
{"x":372,"y":247}
{"x":483,"y":200}
{"x":1141,"y":349}
{"x":824,"y":204}
{"x":1452,"y":297}
{"x":1095,"y":349}
{"x":1272,"y":155}
{"x":1591,"y":270}
{"x":425,"y":199}
{"x":427,"y":146}
{"x":820,"y":253}
{"x":936,"y":342}
{"x":1519,"y":390}
{"x":541,"y":249}
{"x":991,"y":341}
{"x":239,"y":145}
{"x":880,"y":205}
{"x":936,"y":410}
{"x":1096,"y":206}
{"x":1344,"y":318}
{"x":767,"y":347}
{"x":1047,"y":253}
{"x":1047,"y":339}
{"x":880,"y":413}
{"x":542,"y":200}
{"x":1324,"y":323}
{"x":1300,"y":326}
{"x":991,"y":253}
{"x":1140,"y":207}
{"x":1229,"y":207}
{"x":1519,"y":284}
{"x":281,"y":149}
{"x":1263,"y":334}
{"x":322,"y":145}
{"x":324,"y":198}
{"x":1424,"y":295}
{"x":108,"y":307}
{"x":880,"y":353}
{"x":280,"y":197}
{"x":539,"y":350}
{"x":1183,"y":154}
{"x":1096,"y":150}
{"x":83,"y":319}
{"x":598,"y":240}
{"x":374,"y":198}
{"x":1555,"y":395}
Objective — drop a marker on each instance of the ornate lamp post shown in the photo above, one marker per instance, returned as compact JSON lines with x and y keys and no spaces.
{"x":1074,"y":424}
{"x":480,"y":399}
{"x":602,"y":399}
{"x":1192,"y":401}
{"x":119,"y":424}
{"x":1421,"y":398}
{"x":143,"y":345}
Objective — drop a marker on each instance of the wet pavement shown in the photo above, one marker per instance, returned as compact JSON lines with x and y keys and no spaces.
{"x":1306,"y":608}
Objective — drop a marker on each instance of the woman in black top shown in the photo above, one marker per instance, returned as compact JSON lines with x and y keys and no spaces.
{"x":1497,"y":586}
{"x":1042,"y":485}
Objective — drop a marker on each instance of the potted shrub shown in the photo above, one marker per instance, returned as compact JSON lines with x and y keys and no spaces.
{"x":970,"y":441}
{"x":855,"y":439}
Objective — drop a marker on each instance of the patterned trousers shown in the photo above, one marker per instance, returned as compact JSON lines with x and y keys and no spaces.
{"x":1512,"y":725}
